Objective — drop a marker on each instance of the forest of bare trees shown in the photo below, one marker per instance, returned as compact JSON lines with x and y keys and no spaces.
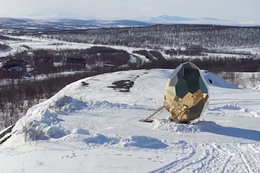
{"x":19,"y":95}
{"x":159,"y":36}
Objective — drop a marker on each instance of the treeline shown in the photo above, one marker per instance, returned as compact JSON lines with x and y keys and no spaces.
{"x":214,"y":64}
{"x":159,"y":36}
{"x":19,"y":95}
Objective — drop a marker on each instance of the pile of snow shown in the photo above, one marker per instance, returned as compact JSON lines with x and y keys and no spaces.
{"x":194,"y":127}
{"x":40,"y":124}
{"x":100,"y":139}
{"x":166,"y":125}
{"x":68,"y":104}
{"x":80,"y":131}
{"x":144,"y":142}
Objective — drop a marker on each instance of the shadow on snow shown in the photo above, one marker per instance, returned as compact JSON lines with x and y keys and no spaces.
{"x":212,"y":127}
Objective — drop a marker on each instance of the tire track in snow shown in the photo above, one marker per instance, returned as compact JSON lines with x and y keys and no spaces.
{"x":213,"y":155}
{"x":224,"y":157}
{"x":248,"y":156}
{"x":193,"y":158}
{"x":174,"y":163}
{"x":225,"y":165}
{"x":244,"y":160}
{"x":210,"y":162}
{"x":206,"y":158}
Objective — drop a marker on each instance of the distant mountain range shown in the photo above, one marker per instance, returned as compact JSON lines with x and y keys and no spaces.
{"x":65,"y":24}
{"x":183,"y":20}
{"x":29,"y":25}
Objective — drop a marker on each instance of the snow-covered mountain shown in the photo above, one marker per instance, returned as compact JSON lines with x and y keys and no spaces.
{"x":165,"y":19}
{"x":92,"y":126}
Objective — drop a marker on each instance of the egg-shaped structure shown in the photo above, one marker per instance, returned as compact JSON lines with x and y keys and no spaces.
{"x":186,"y":93}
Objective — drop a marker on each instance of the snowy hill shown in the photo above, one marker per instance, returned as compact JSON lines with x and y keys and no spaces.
{"x":165,"y":19}
{"x":92,"y":126}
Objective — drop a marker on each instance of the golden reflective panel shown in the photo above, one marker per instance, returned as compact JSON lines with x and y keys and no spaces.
{"x":186,"y":93}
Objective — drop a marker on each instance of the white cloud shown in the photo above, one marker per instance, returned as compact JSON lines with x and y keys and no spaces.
{"x":241,"y":10}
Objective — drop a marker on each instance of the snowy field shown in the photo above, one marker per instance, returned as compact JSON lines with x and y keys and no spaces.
{"x":92,"y":126}
{"x":22,"y":42}
{"x":54,"y":44}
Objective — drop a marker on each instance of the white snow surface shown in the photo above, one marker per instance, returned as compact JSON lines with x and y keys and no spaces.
{"x":95,"y":128}
{"x":46,"y":43}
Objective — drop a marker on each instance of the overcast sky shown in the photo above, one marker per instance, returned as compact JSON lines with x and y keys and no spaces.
{"x":239,"y":10}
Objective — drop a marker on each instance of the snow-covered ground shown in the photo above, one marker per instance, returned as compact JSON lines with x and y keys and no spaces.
{"x":91,"y":127}
{"x":21,"y":43}
{"x":46,"y":43}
